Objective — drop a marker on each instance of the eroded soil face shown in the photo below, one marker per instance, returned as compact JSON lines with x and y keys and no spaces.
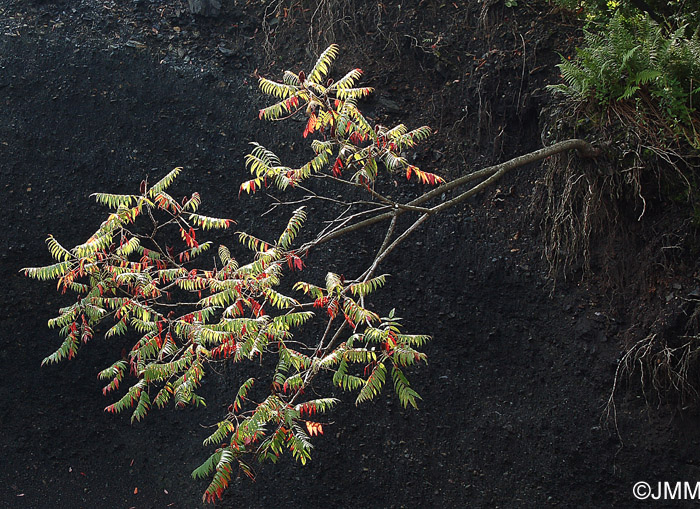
{"x":97,"y":96}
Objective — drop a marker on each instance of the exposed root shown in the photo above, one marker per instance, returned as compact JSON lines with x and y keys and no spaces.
{"x":663,"y":371}
{"x":583,"y":200}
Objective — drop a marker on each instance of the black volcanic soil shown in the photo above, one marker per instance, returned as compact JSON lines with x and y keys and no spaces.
{"x":95,"y":96}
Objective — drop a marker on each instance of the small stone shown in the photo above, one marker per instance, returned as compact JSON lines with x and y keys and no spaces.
{"x":225,"y":51}
{"x":208,"y":8}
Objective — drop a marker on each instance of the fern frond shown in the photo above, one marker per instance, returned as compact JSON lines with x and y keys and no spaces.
{"x":646,"y":76}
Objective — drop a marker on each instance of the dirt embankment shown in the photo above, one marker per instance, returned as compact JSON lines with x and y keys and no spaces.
{"x":95,"y":96}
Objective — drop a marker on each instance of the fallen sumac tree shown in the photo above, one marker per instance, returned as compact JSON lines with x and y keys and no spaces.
{"x":142,"y":272}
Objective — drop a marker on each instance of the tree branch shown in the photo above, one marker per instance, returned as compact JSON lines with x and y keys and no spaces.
{"x":492,"y":174}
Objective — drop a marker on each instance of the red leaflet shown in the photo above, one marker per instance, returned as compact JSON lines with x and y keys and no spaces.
{"x":338,"y":167}
{"x":294,"y":261}
{"x":357,"y":138}
{"x":391,"y":339}
{"x":309,"y":409}
{"x":349,"y":320}
{"x":423,"y":176}
{"x":189,"y":237}
{"x":291,"y":103}
{"x":256,"y":307}
{"x":248,"y":186}
{"x":320,"y":302}
{"x":310,"y":125}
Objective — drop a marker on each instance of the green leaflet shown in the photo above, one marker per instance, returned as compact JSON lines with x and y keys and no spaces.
{"x":207,"y":222}
{"x":323,"y":64}
{"x":164,"y":183}
{"x":53,"y":271}
{"x":407,"y":396}
{"x":223,"y":430}
{"x":373,"y":384}
{"x":365,"y":288}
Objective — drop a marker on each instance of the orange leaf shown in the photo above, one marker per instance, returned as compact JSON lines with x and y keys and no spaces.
{"x":315,"y":428}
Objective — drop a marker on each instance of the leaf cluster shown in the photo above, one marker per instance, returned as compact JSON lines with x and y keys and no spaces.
{"x":180,"y":318}
{"x":348,"y":145}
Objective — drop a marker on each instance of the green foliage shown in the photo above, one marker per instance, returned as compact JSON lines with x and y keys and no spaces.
{"x":636,"y":60}
{"x":152,"y":290}
{"x":672,"y":14}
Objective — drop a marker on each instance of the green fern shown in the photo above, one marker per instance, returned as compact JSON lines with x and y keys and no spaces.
{"x":634,"y":55}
